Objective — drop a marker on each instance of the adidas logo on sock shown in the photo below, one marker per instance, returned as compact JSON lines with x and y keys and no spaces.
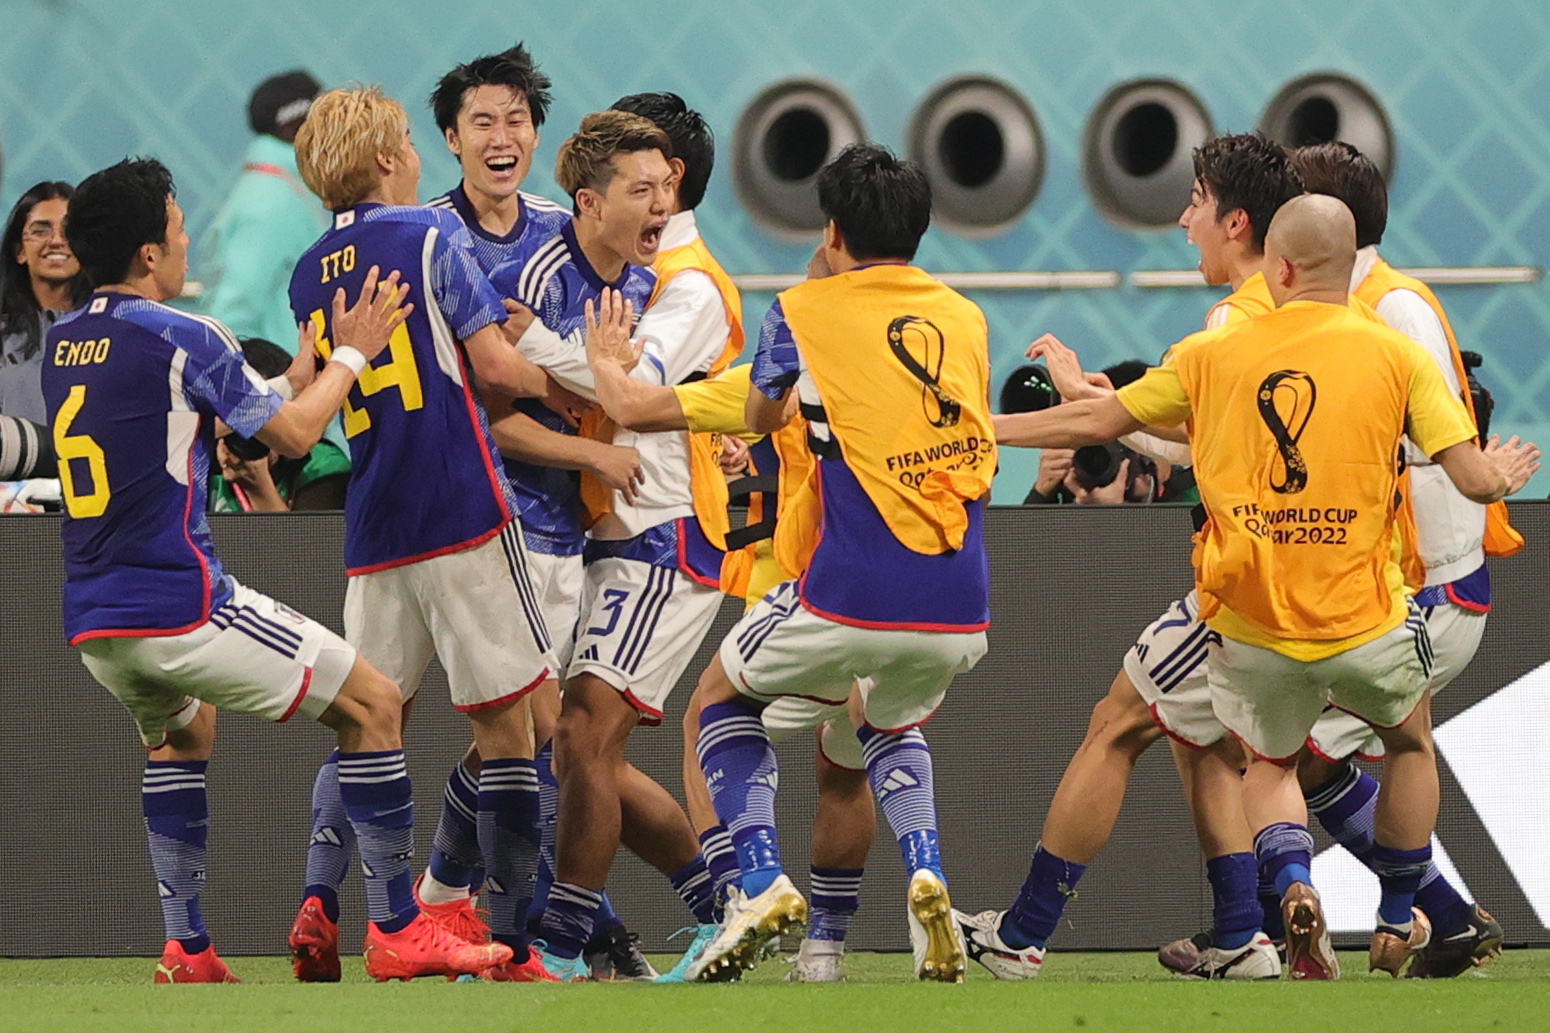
{"x":163,"y":890}
{"x":366,"y":870}
{"x":898,"y":778}
{"x":327,"y":835}
{"x":493,"y":884}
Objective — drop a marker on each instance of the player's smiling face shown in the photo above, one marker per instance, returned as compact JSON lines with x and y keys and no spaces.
{"x":1208,"y":232}
{"x":635,"y":206}
{"x":43,"y":249}
{"x":494,"y":140}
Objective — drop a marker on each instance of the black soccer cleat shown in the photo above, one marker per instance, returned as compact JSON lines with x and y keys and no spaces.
{"x":1447,"y":956}
{"x":616,"y":955}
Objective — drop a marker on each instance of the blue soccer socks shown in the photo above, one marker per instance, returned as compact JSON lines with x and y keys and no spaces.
{"x":456,"y":857}
{"x":509,"y":840}
{"x":177,"y":825}
{"x":1032,"y":919}
{"x":899,"y":768}
{"x":332,"y":845}
{"x":1235,"y":909}
{"x":742,"y":774}
{"x":834,"y":898}
{"x":379,"y":799}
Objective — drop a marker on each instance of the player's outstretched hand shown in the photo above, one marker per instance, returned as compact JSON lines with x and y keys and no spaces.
{"x":1065,"y":369}
{"x":368,"y":325}
{"x":609,"y":322}
{"x":1517,"y":460}
{"x":618,"y":466}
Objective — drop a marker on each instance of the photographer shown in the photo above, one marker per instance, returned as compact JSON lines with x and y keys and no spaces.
{"x":1099,"y":474}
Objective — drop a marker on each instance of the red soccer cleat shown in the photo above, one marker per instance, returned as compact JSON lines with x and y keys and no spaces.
{"x":179,"y":966}
{"x":314,"y":944}
{"x":423,"y":948}
{"x":458,"y":917}
{"x":530,"y":971}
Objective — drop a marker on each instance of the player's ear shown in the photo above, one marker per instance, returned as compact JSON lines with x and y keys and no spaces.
{"x":453,"y":144}
{"x":1238,"y":224}
{"x":589,"y":202}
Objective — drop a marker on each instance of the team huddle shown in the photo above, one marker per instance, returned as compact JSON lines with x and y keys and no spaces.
{"x":558,"y":474}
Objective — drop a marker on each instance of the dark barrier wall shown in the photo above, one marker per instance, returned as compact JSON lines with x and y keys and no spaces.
{"x":1072,"y":589}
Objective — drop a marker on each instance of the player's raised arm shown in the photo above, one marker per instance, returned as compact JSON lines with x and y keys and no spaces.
{"x":633,"y":404}
{"x":361,"y":333}
{"x":1072,"y":425}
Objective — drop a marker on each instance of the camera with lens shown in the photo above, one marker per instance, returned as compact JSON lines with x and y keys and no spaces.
{"x":249,"y":450}
{"x":1096,"y":466}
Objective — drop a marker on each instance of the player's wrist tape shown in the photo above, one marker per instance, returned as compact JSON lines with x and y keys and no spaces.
{"x":282,"y":387}
{"x":351,"y":357}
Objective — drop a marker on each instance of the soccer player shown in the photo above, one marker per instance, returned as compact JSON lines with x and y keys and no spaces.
{"x":892,"y":372}
{"x":652,"y":561}
{"x":1298,"y":416}
{"x":1241,"y":181}
{"x":846,"y":818}
{"x":1452,"y":537}
{"x":135,"y":392}
{"x":435,"y":562}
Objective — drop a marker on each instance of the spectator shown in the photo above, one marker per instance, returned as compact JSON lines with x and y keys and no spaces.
{"x":40,"y":280}
{"x":269,"y":219}
{"x":255,"y":479}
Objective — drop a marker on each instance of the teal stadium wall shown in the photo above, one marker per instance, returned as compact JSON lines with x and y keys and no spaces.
{"x":1466,"y":84}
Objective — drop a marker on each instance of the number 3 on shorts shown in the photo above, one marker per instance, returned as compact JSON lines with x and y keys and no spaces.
{"x":613,"y":602}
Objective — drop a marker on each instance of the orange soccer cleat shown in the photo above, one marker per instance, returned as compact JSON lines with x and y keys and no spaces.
{"x":423,"y":948}
{"x":314,"y":942}
{"x":179,"y":966}
{"x":458,"y":917}
{"x":530,"y":971}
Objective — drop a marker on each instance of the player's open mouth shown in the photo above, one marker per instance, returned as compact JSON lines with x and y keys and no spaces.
{"x":501,"y":166}
{"x":651,"y":239}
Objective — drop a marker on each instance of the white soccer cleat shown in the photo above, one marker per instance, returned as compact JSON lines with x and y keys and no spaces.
{"x":1196,"y":958}
{"x":749,"y":926}
{"x":818,"y":961}
{"x":982,"y":940}
{"x":938,"y":944}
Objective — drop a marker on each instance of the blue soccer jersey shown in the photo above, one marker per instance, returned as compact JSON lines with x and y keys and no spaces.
{"x":538,"y":219}
{"x":425,"y":476}
{"x":133,"y":390}
{"x":556,"y":281}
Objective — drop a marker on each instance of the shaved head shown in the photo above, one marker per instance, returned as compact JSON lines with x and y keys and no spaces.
{"x":1311,"y":246}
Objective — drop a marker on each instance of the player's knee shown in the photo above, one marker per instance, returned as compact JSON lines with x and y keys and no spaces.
{"x":194,"y":741}
{"x":839,"y":781}
{"x":369,"y":701}
{"x":1123,"y":723}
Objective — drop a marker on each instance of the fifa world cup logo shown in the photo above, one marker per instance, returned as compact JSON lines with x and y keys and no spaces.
{"x":909,"y":334}
{"x":1286,"y":400}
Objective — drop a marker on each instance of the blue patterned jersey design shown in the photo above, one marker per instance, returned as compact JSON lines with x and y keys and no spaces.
{"x":425,"y":476}
{"x":538,"y":219}
{"x":556,"y":281}
{"x":136,"y":388}
{"x":860,"y":572}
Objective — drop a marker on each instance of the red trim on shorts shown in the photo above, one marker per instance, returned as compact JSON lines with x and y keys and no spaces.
{"x":306,"y":683}
{"x":445,"y":550}
{"x":683,"y":561}
{"x":649,"y":716}
{"x":510,"y":697}
{"x":1370,"y":758}
{"x":903,"y":728}
{"x":751,"y":691}
{"x":139,"y":632}
{"x":1464,"y":604}
{"x":857,"y":622}
{"x":1280,"y":762}
{"x":1170,"y":733}
{"x":1373,"y":724}
{"x":1313,"y":748}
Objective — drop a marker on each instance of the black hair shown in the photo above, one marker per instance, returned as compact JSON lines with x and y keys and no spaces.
{"x":19,"y":308}
{"x":513,"y":67}
{"x":1348,"y":175}
{"x":1248,"y":171}
{"x":880,"y":204}
{"x":693,"y":142}
{"x":1127,"y":372}
{"x":114,"y":213}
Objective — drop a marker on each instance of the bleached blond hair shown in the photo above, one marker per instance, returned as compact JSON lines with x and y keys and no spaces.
{"x":338,"y":144}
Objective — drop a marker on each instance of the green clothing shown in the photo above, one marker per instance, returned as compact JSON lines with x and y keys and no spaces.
{"x":325,"y":460}
{"x":269,"y":219}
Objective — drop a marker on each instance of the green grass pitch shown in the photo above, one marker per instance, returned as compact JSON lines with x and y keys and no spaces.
{"x":1091,"y":992}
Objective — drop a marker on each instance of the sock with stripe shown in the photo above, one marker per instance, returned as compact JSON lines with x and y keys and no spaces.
{"x":1399,"y":876}
{"x":835,"y":896}
{"x":379,"y":798}
{"x":548,"y":821}
{"x":568,"y":923}
{"x":1284,"y":852}
{"x":1235,"y":910}
{"x":455,"y":853}
{"x":177,"y":825}
{"x":332,"y":846}
{"x":721,"y":859}
{"x":741,"y":773}
{"x":1347,"y":808}
{"x":899,"y":767}
{"x":1033,"y":916}
{"x":509,"y":837}
{"x":696,"y":889}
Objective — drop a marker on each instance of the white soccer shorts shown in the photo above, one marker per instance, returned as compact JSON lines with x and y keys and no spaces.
{"x":558,"y":582}
{"x":789,"y":716}
{"x":1167,"y":665}
{"x":1455,"y":634}
{"x":780,"y":649}
{"x":1272,"y":702}
{"x":639,"y":628}
{"x":253,"y":656}
{"x":476,"y":610}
